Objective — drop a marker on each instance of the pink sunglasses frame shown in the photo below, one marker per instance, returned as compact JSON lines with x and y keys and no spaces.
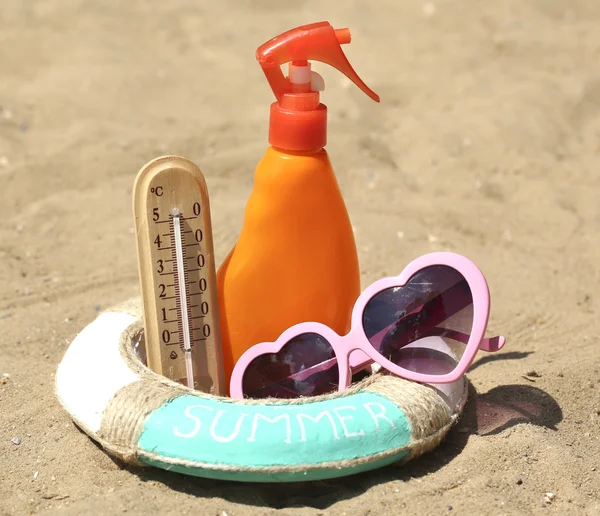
{"x":354,"y":351}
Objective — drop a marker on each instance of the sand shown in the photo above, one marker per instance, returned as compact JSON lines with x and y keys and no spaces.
{"x":485,"y":143}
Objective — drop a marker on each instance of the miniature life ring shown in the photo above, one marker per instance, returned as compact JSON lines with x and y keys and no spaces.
{"x":145,"y":419}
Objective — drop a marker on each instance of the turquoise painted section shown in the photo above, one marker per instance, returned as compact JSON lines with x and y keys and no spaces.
{"x":263,"y":476}
{"x":209,"y":431}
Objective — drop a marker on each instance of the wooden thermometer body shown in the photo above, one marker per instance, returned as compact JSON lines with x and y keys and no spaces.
{"x":173,"y":228}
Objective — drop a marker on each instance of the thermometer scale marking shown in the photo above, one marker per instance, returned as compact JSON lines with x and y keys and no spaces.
{"x":181,"y":290}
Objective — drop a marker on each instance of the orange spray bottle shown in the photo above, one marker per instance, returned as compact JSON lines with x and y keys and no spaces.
{"x":295,"y":259}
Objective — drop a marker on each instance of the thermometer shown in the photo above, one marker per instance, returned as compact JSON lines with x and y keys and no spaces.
{"x":177,"y":274}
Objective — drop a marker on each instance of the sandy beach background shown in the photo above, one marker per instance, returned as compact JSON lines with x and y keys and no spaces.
{"x":486,"y":143}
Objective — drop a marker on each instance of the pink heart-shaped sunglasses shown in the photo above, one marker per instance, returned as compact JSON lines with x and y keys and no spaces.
{"x":424,"y":325}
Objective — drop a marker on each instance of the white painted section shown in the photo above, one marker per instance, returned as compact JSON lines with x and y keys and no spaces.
{"x":92,"y":370}
{"x":454,"y":394}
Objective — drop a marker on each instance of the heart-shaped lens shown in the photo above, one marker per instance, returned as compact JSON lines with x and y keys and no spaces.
{"x":424,"y":325}
{"x":304,"y":366}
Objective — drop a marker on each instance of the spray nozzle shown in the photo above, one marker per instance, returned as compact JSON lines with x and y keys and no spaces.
{"x":314,"y":42}
{"x":298,"y":119}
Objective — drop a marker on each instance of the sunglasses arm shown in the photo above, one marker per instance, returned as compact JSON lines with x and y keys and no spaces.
{"x":359,"y":359}
{"x":487,"y":344}
{"x":492,"y":344}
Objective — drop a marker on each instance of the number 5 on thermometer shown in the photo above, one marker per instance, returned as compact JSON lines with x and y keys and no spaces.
{"x":177,"y":274}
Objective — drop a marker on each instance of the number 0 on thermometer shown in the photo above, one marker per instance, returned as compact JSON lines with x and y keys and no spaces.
{"x":177,"y":274}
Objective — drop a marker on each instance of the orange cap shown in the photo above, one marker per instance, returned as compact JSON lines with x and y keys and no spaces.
{"x":298,"y":119}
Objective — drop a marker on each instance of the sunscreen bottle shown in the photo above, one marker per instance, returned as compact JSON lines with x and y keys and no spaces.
{"x":295,"y":259}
